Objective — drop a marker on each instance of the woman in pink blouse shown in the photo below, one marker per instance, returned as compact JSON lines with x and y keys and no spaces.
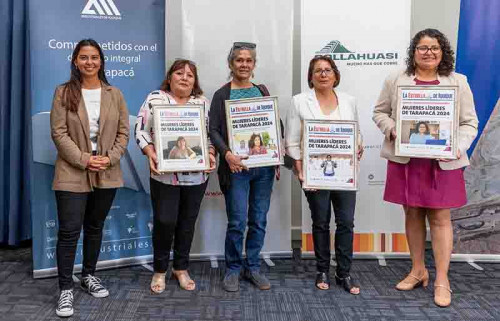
{"x":176,"y":197}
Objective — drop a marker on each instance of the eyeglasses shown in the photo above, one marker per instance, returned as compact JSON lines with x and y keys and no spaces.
{"x":246,"y":45}
{"x":424,"y":49}
{"x":327,"y":71}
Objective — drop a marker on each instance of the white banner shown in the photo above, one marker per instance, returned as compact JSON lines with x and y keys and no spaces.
{"x":366,"y":48}
{"x":208,"y":30}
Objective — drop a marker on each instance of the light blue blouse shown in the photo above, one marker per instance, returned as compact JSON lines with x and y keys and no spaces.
{"x":419,"y":139}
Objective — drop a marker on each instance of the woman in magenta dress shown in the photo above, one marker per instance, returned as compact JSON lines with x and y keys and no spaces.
{"x":427,"y":188}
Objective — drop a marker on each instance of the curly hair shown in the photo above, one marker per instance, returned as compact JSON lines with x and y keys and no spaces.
{"x":447,"y":64}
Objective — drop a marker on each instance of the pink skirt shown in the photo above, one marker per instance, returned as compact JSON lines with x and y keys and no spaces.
{"x":422,"y":183}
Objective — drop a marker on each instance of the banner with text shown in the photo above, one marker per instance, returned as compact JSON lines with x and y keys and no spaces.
{"x":366,"y":49}
{"x":477,"y":225}
{"x":131,"y":35}
{"x":203,"y":24}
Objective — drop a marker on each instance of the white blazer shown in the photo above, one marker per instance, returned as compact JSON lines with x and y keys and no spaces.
{"x":306,"y":106}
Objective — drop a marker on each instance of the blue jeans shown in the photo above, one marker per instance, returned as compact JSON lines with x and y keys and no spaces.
{"x":247,"y":198}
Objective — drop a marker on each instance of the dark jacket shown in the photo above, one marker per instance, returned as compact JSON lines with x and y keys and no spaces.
{"x":218,"y":130}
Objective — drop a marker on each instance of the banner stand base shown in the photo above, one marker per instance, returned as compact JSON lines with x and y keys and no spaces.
{"x":146,"y":259}
{"x":148,"y":267}
{"x":213,"y":262}
{"x":474,"y":265}
{"x":471,"y":259}
{"x":267,"y":260}
{"x":381,"y":261}
{"x":366,"y":256}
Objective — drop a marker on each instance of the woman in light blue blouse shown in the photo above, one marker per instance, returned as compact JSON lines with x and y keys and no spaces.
{"x":422,"y":135}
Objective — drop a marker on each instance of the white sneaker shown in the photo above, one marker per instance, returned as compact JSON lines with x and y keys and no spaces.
{"x":93,"y":286}
{"x":65,"y":304}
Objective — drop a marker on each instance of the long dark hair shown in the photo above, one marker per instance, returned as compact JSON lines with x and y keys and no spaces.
{"x":251,"y":142}
{"x":179,"y":64}
{"x":446,"y":66}
{"x":72,"y":92}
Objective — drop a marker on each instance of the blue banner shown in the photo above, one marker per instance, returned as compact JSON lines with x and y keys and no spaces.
{"x":131,"y":34}
{"x":477,"y":51}
{"x":475,"y":225}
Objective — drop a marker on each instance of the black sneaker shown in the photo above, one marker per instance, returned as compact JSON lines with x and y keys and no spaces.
{"x":93,"y":286}
{"x":231,"y":282}
{"x":258,"y":279}
{"x":65,"y":304}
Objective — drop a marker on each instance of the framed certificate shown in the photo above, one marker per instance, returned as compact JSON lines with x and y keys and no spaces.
{"x":427,"y":121}
{"x":253,"y":127}
{"x":180,"y":138}
{"x":330,"y":154}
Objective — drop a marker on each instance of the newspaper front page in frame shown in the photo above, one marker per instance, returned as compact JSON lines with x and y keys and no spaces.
{"x":330,"y":154}
{"x":427,"y":122}
{"x":181,"y":138}
{"x":254,"y":130}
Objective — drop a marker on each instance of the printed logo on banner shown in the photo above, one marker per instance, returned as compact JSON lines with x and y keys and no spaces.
{"x":132,"y":230}
{"x":131,"y":216}
{"x":372,"y":181}
{"x":101,"y":9}
{"x":150,"y":226}
{"x":338,"y":52}
{"x":213,"y":194}
{"x":50,"y":224}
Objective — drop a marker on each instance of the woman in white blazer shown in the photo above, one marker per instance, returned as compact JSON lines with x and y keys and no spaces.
{"x":324,"y":102}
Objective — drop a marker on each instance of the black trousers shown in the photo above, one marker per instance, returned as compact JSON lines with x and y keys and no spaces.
{"x":175,"y":210}
{"x":344,"y":203}
{"x":75,"y":210}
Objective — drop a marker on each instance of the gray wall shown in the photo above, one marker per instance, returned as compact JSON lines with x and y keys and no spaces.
{"x":437,"y":14}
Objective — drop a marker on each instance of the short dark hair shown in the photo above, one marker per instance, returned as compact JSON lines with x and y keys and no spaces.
{"x":427,"y":130}
{"x":179,"y":64}
{"x":251,"y":142}
{"x":332,"y":64}
{"x":447,"y":64}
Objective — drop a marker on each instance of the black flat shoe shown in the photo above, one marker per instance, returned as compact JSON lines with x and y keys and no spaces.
{"x":347,"y":283}
{"x":322,"y":277}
